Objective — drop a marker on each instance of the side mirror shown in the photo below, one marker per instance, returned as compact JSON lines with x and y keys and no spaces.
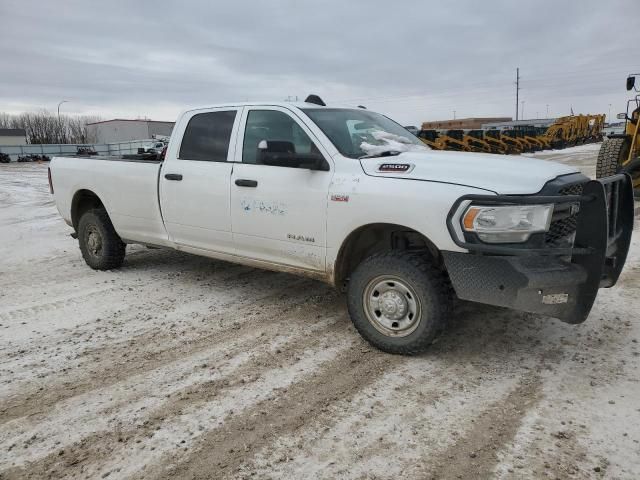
{"x":631,"y":81}
{"x":283,"y":154}
{"x":621,"y":116}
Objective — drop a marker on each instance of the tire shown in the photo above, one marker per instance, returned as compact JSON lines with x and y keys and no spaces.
{"x":403,"y":278}
{"x":100,"y":245}
{"x":613,"y":152}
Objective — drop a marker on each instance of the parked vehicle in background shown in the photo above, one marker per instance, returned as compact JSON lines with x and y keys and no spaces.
{"x":152,"y":147}
{"x":349,"y":197}
{"x":412,"y":129}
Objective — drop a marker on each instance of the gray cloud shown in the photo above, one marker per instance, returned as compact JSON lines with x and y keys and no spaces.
{"x":412,"y":60}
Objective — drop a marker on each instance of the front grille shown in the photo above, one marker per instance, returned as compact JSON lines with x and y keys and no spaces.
{"x":563,"y":223}
{"x":561,"y":232}
{"x":575,"y":189}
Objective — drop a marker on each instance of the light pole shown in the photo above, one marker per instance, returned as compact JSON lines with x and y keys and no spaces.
{"x":63,"y":101}
{"x":522,"y":115}
{"x":60,"y":136}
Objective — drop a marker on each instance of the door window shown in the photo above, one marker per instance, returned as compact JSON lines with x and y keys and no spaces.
{"x":277,"y":128}
{"x":207,"y":137}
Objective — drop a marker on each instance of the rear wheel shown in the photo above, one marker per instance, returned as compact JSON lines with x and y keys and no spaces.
{"x":100,"y":245}
{"x":399,"y":302}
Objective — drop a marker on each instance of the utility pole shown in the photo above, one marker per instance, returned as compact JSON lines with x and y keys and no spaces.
{"x":522,"y":114}
{"x":517,"y":89}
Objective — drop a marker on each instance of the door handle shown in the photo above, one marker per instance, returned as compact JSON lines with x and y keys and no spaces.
{"x":246,"y":183}
{"x":173,"y":176}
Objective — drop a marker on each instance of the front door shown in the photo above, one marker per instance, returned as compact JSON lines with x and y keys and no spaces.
{"x":278,"y":212}
{"x":194,"y":181}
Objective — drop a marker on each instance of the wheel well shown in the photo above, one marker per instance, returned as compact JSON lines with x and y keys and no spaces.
{"x":375,"y":238}
{"x":83,"y":200}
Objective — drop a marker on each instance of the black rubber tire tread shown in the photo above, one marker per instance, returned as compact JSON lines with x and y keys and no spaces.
{"x":432,"y":284}
{"x":113,"y":248}
{"x":609,"y":156}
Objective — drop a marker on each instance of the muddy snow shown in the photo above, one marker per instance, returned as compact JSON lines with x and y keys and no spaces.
{"x":176,"y":366}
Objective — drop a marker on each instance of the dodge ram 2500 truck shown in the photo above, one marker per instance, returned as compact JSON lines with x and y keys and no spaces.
{"x":348,"y":196}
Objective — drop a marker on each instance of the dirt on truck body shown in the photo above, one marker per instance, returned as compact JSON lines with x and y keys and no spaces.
{"x":175,"y":366}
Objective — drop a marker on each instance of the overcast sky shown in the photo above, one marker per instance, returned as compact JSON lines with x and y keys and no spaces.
{"x":414,"y":61}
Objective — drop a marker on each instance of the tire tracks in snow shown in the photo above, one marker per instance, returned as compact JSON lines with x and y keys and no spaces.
{"x":117,"y":361}
{"x":271,"y":356}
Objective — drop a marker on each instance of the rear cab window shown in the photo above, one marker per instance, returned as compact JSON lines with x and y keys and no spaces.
{"x":207,"y":136}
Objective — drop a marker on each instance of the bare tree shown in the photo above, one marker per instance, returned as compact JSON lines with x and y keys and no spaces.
{"x":45,"y":127}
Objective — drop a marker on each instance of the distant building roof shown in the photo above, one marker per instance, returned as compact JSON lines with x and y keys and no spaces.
{"x":129,"y":120}
{"x":13,"y":132}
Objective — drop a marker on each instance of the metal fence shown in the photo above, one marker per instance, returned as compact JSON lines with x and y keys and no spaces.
{"x":69,"y":149}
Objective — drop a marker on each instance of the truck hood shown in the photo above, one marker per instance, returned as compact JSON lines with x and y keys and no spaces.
{"x":502,"y":174}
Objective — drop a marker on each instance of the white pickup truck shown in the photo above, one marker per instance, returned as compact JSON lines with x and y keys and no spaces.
{"x":348,"y":196}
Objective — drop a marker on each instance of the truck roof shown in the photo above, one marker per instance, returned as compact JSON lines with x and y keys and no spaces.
{"x":299,"y":105}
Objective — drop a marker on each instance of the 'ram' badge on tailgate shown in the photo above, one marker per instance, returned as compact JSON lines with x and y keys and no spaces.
{"x":394,"y":167}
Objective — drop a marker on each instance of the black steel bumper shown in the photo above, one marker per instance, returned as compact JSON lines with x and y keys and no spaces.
{"x":559,"y":282}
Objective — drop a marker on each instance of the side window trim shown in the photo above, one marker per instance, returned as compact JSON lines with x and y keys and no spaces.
{"x":233,"y":133}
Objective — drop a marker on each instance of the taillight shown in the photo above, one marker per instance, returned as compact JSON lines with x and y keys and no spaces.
{"x":50,"y":182}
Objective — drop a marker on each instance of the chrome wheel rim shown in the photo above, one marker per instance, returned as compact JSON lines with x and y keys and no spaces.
{"x":94,"y":241}
{"x":392,"y":306}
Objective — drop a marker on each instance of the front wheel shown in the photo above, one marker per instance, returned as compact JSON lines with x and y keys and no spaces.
{"x":399,"y":302}
{"x":101,"y":247}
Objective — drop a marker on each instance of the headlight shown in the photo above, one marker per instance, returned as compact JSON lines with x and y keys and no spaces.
{"x":506,"y":223}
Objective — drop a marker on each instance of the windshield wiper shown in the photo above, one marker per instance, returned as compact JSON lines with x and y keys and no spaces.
{"x":386,"y":153}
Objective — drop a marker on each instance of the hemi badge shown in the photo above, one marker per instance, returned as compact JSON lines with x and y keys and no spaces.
{"x":394,"y":167}
{"x":339,"y":198}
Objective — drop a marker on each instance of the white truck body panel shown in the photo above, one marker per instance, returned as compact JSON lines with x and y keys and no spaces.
{"x":496,"y":173}
{"x":128,"y":190}
{"x":296,"y":219}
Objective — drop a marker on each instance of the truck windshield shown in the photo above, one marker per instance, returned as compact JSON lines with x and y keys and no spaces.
{"x":357,"y":133}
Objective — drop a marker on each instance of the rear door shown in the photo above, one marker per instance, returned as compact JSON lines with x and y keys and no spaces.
{"x":194,"y":181}
{"x":279,"y":213}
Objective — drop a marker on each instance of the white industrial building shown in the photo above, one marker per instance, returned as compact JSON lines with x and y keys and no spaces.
{"x":119,"y":130}
{"x":13,"y":136}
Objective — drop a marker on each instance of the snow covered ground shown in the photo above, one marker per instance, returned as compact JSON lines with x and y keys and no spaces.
{"x":177,"y":366}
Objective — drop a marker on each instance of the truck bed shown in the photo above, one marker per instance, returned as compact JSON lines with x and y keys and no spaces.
{"x":127,"y":185}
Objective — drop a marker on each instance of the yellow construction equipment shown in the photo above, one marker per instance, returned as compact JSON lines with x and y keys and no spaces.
{"x":431,"y":138}
{"x":509,"y":137}
{"x":474,"y":139}
{"x":530,"y":135}
{"x":494,"y":138}
{"x":621,"y":152}
{"x":565,"y":131}
{"x":454,"y":140}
